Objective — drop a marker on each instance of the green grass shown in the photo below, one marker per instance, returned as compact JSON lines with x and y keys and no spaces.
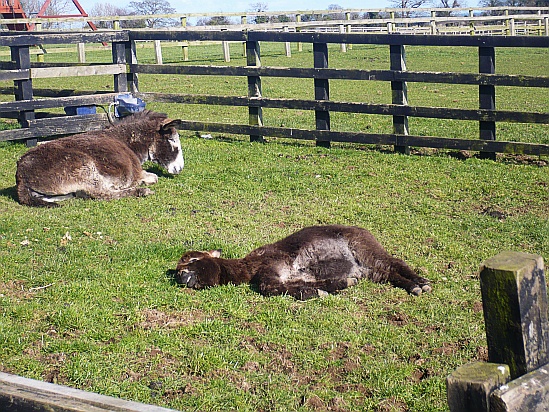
{"x":86,"y":299}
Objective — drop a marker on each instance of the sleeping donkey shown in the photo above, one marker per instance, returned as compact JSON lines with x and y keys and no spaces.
{"x":312,"y":262}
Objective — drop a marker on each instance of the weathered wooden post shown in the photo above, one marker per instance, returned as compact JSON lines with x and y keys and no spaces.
{"x":348,"y":28}
{"x":158,"y":52}
{"x":20,"y":56}
{"x":287,"y":47}
{"x":487,"y":97}
{"x":226,"y":49}
{"x":514,"y":299}
{"x":298,"y":29}
{"x":244,"y":21}
{"x":399,"y":91}
{"x":322,"y":90}
{"x":81,"y":53}
{"x":255,"y":113}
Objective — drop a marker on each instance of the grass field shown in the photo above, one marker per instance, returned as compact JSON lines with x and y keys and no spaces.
{"x":86,"y":298}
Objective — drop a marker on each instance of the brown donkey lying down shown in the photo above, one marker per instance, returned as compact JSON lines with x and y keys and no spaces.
{"x":309,"y":263}
{"x":102,"y":164}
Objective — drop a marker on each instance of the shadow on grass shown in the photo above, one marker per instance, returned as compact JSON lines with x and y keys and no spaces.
{"x":9,"y":192}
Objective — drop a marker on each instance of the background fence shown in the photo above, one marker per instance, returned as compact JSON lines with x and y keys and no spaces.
{"x":125,"y":70}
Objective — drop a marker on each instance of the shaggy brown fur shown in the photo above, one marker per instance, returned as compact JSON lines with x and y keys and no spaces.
{"x":100,"y":165}
{"x":314,"y":261}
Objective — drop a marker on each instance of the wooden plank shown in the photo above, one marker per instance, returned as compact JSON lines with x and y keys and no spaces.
{"x":87,"y":100}
{"x":18,"y":394}
{"x":347,"y":74}
{"x":401,"y":39}
{"x":21,"y":74}
{"x":183,"y":34}
{"x":515,"y":303}
{"x":468,"y":388}
{"x":32,"y":38}
{"x":61,"y":71}
{"x":529,"y":393}
{"x":368,"y":138}
{"x":57,"y":126}
{"x":368,"y":108}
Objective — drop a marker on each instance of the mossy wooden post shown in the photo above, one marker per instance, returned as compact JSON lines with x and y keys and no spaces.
{"x":514,"y":299}
{"x":469,"y":386}
{"x":255,"y":113}
{"x":322,"y":90}
{"x":399,"y":94}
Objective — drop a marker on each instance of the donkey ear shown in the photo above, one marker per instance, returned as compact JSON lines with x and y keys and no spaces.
{"x":173,"y":123}
{"x":215,"y":253}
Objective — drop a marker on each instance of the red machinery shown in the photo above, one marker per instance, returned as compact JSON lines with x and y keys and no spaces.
{"x":11,"y":9}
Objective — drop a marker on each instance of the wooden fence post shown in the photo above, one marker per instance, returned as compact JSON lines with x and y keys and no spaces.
{"x":399,"y":91}
{"x":515,"y":304}
{"x":243,"y":21}
{"x":81,"y":53}
{"x":226,"y":49}
{"x":322,"y":90}
{"x":487,"y":97}
{"x":469,"y":386}
{"x":287,"y":47}
{"x":20,"y":55}
{"x":124,"y":53}
{"x":255,"y":113}
{"x":514,"y":299}
{"x":348,"y":29}
{"x":158,"y":52}
{"x":298,"y":29}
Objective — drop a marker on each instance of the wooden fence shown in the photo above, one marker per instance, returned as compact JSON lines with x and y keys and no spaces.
{"x":461,"y":20}
{"x":125,"y":69}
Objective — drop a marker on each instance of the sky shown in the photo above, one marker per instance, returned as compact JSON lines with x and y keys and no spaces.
{"x":194,"y":6}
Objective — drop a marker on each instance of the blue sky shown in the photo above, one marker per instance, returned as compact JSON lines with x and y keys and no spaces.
{"x":194,"y":6}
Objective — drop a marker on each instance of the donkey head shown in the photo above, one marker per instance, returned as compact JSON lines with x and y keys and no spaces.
{"x":199,"y":270}
{"x":166,"y":150}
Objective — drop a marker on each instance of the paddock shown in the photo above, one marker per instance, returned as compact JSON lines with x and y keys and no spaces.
{"x":86,"y":296}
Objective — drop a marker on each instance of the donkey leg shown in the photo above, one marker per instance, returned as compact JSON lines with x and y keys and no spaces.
{"x":111,"y":194}
{"x":403,"y":276}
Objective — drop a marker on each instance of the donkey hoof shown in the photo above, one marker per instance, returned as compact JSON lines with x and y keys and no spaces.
{"x":416,"y":291}
{"x":351,"y":282}
{"x":322,"y":293}
{"x":426,"y":289}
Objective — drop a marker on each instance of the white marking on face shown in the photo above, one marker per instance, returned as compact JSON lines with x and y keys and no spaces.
{"x":176,"y":166}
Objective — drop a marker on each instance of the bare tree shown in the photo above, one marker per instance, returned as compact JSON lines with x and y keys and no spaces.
{"x":259,"y":7}
{"x":214,"y":21}
{"x":151,"y":7}
{"x":449,"y":4}
{"x":407,"y":4}
{"x":105,"y":9}
{"x":335,"y":16}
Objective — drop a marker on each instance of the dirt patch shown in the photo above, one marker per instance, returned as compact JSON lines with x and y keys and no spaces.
{"x":157,"y":319}
{"x":392,"y":404}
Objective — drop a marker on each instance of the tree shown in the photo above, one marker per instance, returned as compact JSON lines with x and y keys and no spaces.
{"x":214,"y":21}
{"x":407,"y":4}
{"x":148,"y":7}
{"x":335,"y":16}
{"x":56,"y":7}
{"x":105,"y":9}
{"x":258,"y":8}
{"x":449,"y":4}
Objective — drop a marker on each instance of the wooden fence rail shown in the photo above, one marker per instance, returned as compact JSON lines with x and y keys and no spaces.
{"x":125,"y":70}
